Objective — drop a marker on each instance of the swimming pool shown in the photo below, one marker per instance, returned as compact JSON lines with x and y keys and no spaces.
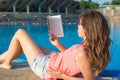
{"x":39,"y":34}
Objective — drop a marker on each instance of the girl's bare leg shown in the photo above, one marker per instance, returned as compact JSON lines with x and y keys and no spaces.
{"x":20,"y":43}
{"x":4,"y":55}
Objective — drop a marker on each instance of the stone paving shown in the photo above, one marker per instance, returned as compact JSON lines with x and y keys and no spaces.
{"x":21,"y":71}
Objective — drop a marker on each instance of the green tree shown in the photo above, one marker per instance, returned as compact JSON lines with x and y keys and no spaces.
{"x":115,"y":2}
{"x":94,"y":5}
{"x":88,"y":5}
{"x":106,"y":3}
{"x":89,"y":0}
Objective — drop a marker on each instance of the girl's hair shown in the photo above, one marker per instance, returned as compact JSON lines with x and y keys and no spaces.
{"x":97,"y":39}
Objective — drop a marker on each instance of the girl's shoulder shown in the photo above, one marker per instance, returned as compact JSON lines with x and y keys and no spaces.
{"x":81,"y":57}
{"x":81,"y":50}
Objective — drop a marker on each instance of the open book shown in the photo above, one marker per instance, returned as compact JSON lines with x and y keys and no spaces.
{"x":55,"y":25}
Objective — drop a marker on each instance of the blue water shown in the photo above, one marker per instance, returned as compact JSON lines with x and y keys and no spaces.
{"x":40,"y":35}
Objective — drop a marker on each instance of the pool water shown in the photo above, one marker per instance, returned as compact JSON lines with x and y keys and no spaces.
{"x":40,"y":35}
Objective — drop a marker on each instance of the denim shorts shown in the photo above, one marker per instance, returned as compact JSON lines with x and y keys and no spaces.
{"x":40,"y":65}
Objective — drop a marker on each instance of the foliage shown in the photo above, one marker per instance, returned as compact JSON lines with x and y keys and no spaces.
{"x":88,"y":5}
{"x":106,"y":3}
{"x":115,"y":2}
{"x":113,"y":7}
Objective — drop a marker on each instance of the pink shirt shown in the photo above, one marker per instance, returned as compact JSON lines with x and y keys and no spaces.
{"x":66,"y":61}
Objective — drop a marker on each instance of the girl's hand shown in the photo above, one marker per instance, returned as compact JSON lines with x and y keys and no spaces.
{"x":54,"y":40}
{"x":56,"y":74}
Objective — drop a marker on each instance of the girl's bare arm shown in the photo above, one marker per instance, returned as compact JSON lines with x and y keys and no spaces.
{"x":54,"y":40}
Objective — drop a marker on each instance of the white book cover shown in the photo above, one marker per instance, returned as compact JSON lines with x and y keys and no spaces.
{"x":55,"y":25}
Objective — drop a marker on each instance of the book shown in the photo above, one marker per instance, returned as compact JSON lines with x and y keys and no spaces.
{"x":55,"y":25}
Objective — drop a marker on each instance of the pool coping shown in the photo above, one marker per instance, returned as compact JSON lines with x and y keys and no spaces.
{"x":22,"y":71}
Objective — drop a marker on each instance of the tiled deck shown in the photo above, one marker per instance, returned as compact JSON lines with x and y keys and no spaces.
{"x":22,"y":71}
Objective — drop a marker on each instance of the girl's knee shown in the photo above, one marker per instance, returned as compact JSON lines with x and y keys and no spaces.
{"x":20,"y":32}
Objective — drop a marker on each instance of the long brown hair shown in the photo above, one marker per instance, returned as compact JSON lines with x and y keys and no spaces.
{"x":97,"y":39}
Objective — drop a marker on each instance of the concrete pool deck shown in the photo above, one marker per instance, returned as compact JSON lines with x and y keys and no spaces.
{"x":21,"y":71}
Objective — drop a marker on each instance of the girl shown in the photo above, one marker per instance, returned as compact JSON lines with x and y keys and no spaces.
{"x":88,"y":58}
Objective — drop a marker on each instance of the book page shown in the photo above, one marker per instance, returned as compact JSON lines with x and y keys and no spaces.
{"x":55,"y":25}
